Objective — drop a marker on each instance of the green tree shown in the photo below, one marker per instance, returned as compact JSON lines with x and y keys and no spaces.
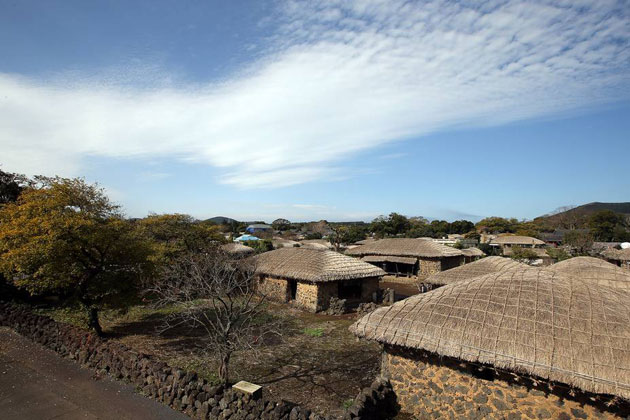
{"x":606,"y":224}
{"x":497,"y":225}
{"x":65,"y":236}
{"x":461,"y":226}
{"x":523,"y":254}
{"x":281,"y":224}
{"x":173,"y":235}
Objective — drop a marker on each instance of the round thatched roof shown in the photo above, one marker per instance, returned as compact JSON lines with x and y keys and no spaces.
{"x":516,"y":240}
{"x":472,"y":252}
{"x":594,"y":270}
{"x":477,"y":268}
{"x":313,"y":265}
{"x":235,"y":248}
{"x":316,"y":244}
{"x":617,"y":254}
{"x":525,"y":320}
{"x":405,"y":247}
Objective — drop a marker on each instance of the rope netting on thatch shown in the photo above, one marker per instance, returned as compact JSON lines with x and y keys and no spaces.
{"x":313,"y":265}
{"x":477,"y":268}
{"x":594,"y":270}
{"x":406,"y":247}
{"x":525,"y":320}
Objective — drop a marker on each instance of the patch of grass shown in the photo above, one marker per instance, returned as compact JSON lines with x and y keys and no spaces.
{"x":314,"y":332}
{"x":347,"y":404}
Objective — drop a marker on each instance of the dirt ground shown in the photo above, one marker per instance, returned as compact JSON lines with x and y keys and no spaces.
{"x":317,"y":362}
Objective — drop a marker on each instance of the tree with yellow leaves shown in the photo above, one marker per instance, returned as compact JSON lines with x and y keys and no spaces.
{"x":64,"y":236}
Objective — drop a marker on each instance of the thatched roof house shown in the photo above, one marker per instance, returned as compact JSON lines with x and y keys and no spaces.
{"x":236,"y":249}
{"x":516,"y":240}
{"x":488,"y":265}
{"x":320,"y":244}
{"x":594,"y":270}
{"x":620,"y":257}
{"x":411,"y":256}
{"x":508,"y":335}
{"x":308,"y":278}
{"x":472,"y":254}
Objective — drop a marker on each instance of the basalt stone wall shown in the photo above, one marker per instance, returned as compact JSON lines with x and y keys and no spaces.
{"x":274,"y":289}
{"x":428,"y":266}
{"x":176,"y":388}
{"x":428,"y":386}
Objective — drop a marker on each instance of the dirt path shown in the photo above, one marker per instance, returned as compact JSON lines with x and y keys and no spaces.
{"x":35,"y":383}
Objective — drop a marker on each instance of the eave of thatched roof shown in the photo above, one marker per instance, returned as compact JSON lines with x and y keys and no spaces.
{"x":474,"y":269}
{"x":406,"y":247}
{"x":527,"y":320}
{"x":313,"y":265}
{"x":594,"y":270}
{"x":389,"y":258}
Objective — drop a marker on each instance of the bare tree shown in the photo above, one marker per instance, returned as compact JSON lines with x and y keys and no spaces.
{"x":217,"y":294}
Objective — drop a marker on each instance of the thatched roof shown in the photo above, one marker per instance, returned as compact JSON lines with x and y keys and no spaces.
{"x":365,"y":241}
{"x":316,"y":244}
{"x":525,"y":320}
{"x":406,"y":247}
{"x":516,"y":240}
{"x":617,"y":254}
{"x":594,"y":270}
{"x":477,"y":268}
{"x":472,"y":252}
{"x":283,"y":243}
{"x":539,"y":252}
{"x":237,"y":249}
{"x":389,"y":258}
{"x":313,"y":265}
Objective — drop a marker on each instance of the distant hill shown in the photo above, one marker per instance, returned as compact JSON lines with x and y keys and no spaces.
{"x":576,"y":217}
{"x":219,"y":220}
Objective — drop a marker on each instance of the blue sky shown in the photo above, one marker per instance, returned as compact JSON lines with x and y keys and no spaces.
{"x":338,"y":110}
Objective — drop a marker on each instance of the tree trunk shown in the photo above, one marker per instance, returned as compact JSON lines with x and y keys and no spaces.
{"x":223,"y":370}
{"x":93,"y":322}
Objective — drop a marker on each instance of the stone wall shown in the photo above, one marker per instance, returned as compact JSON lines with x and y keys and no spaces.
{"x":428,"y":266}
{"x":177,"y":388}
{"x":307,"y":296}
{"x":428,"y":386}
{"x":274,"y":289}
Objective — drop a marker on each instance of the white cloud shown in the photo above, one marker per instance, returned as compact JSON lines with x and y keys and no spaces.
{"x":339,"y":77}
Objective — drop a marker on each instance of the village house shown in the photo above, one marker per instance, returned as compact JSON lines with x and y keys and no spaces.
{"x":237,"y":250}
{"x":619,"y":257}
{"x":472,"y":254}
{"x":523,"y":343}
{"x":506,"y":242}
{"x":309,"y":278}
{"x":409,"y":256}
{"x":487,"y":265}
{"x":260,"y":230}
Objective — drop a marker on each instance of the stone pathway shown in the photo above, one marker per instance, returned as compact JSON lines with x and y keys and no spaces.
{"x":37,"y":384}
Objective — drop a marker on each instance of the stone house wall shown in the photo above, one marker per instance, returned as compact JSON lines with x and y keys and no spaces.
{"x":274,"y":289}
{"x":428,"y":266}
{"x":428,"y":386}
{"x":313,"y":297}
{"x":179,"y":389}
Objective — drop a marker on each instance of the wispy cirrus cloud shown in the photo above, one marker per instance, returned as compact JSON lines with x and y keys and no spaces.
{"x":338,"y":77}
